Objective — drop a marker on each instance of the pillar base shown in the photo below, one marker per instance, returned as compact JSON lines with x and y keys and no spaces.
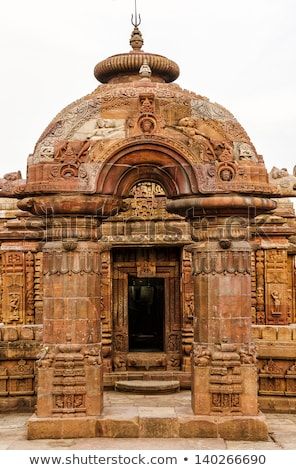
{"x":143,"y":423}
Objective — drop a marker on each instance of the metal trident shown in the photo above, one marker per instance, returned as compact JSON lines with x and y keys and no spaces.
{"x":136,"y":20}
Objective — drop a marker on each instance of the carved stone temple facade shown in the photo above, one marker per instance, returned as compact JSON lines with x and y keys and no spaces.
{"x":147,"y":242}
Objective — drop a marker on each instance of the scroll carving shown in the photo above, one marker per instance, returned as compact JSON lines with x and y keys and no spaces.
{"x":38,"y":288}
{"x":188,"y":309}
{"x":260,"y":284}
{"x":106,"y":317}
{"x":30,"y":304}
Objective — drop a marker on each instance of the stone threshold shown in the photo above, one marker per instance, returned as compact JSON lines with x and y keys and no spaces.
{"x":148,"y":387}
{"x":147,"y":422}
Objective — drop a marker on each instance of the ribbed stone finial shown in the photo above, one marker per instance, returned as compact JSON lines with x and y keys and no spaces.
{"x":136,"y":40}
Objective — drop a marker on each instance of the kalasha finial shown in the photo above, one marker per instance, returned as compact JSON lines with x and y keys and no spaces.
{"x":136,"y":40}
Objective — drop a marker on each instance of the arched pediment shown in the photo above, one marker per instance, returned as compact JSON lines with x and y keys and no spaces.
{"x":154,"y":160}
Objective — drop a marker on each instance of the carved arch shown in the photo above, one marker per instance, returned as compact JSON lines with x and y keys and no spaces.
{"x":147,"y":161}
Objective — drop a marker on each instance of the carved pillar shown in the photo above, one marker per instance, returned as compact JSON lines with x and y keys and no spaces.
{"x":70,"y":367}
{"x":224,"y":374}
{"x":106,"y":309}
{"x":70,"y":382}
{"x":188,"y":309}
{"x":224,"y":371}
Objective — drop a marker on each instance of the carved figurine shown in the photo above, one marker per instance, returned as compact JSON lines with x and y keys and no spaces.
{"x":276,"y":301}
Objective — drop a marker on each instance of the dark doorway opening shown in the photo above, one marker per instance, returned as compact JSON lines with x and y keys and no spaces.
{"x":145,"y":313}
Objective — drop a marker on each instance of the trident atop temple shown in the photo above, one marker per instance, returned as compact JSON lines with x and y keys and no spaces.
{"x":136,"y":40}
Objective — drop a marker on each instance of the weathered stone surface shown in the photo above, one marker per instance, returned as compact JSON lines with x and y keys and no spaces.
{"x":26,"y":333}
{"x":119,"y":423}
{"x":55,"y":428}
{"x":158,"y":422}
{"x":284,"y":334}
{"x":147,"y":387}
{"x":9,"y":334}
{"x":245,"y":428}
{"x":269,"y":333}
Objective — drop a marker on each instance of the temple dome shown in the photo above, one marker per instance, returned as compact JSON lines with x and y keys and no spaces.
{"x":137,"y":105}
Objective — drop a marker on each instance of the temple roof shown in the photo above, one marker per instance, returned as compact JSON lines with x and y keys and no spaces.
{"x":138,"y":108}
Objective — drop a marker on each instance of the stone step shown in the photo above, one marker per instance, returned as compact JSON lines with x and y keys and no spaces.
{"x":148,"y":387}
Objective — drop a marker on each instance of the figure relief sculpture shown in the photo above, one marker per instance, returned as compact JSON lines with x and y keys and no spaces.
{"x":72,"y":151}
{"x":210,"y":150}
{"x":276,"y":310}
{"x":283,"y":180}
{"x":14,"y":305}
{"x":147,"y":125}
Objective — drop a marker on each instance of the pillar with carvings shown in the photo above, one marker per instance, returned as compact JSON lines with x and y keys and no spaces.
{"x":224,"y":375}
{"x":224,"y":358}
{"x":70,"y":367}
{"x":70,"y":382}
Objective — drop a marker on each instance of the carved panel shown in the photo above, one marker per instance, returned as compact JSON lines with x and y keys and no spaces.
{"x":225,"y":378}
{"x":30,"y":305}
{"x":253,"y":287}
{"x":38,"y":288}
{"x":223,"y":402}
{"x":21,"y":287}
{"x":17,"y":378}
{"x":291,"y":380}
{"x":13,"y":287}
{"x":106,"y":306}
{"x":187,"y":289}
{"x":147,"y":201}
{"x":3,"y":381}
{"x":69,"y":365}
{"x":21,"y":379}
{"x":291,"y":290}
{"x":142,"y":361}
{"x":276,"y":301}
{"x":1,"y":290}
{"x":260,"y":287}
{"x":272,"y":377}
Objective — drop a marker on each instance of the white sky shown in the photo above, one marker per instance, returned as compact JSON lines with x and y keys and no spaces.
{"x":239,"y":53}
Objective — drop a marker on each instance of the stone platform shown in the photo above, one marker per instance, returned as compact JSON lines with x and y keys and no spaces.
{"x":148,"y":387}
{"x":158,"y":416}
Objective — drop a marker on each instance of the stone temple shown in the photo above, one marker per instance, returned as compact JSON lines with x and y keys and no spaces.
{"x":148,"y":242}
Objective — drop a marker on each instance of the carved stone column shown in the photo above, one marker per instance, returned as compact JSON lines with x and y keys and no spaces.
{"x":224,"y":372}
{"x":70,"y":366}
{"x":70,"y":379}
{"x":224,"y":375}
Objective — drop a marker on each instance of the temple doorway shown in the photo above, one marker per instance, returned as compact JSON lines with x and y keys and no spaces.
{"x":145,"y":314}
{"x":146,"y":308}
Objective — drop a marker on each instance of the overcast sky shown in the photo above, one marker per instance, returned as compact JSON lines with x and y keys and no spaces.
{"x":239,"y":53}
